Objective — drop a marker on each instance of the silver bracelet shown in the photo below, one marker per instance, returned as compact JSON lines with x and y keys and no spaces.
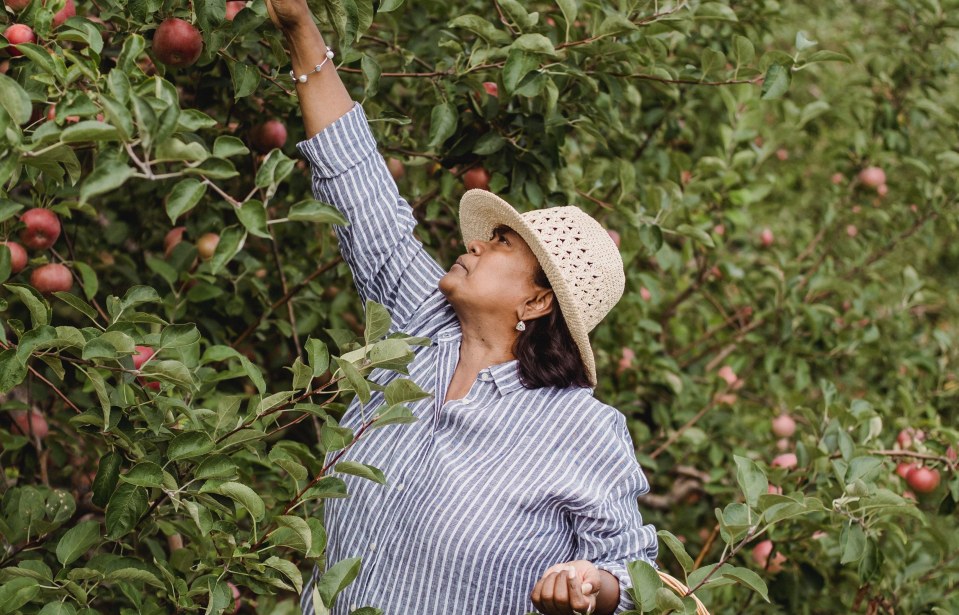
{"x":302,"y":78}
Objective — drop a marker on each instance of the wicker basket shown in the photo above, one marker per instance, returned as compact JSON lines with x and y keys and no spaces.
{"x":677,"y":586}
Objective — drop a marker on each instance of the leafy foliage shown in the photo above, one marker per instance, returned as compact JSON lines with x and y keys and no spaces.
{"x":722,"y":141}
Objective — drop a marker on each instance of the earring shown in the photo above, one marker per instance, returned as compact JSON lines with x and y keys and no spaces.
{"x":521,"y":326}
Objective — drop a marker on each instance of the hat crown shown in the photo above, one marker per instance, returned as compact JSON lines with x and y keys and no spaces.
{"x":583,"y":254}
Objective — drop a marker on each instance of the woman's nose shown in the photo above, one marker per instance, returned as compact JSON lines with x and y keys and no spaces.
{"x":474,"y":246}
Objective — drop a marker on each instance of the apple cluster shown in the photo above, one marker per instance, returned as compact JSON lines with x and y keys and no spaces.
{"x":41,"y":230}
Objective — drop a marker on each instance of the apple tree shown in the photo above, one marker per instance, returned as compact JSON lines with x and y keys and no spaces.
{"x":180,"y":334}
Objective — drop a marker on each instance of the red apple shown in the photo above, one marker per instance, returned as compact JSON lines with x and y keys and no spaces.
{"x":784,"y":426}
{"x":68,"y":11}
{"x":782,"y":154}
{"x":16,"y":34}
{"x":614,"y":235}
{"x":783,"y":444}
{"x":766,"y":237}
{"x":206,"y":245}
{"x":872,"y":177}
{"x":923,"y":479}
{"x":268,"y":136}
{"x":143,"y":354}
{"x":16,"y":5}
{"x":34,"y":423}
{"x":233,"y":7}
{"x":720,"y":229}
{"x":851,"y":230}
{"x":786,"y":460}
{"x":726,"y":373}
{"x":644,"y":294}
{"x":903,"y":469}
{"x":761,"y":553}
{"x":51,"y":278}
{"x":18,"y":256}
{"x":42,"y":228}
{"x":397,"y":170}
{"x":172,"y":239}
{"x":773,"y":489}
{"x":477,"y":177}
{"x":626,"y":361}
{"x":908,"y":435}
{"x":491,"y":88}
{"x":837,"y":178}
{"x":882,"y":190}
{"x":236,"y":597}
{"x":177,"y":43}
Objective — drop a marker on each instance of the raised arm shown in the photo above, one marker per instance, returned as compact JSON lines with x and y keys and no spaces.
{"x":389,"y":264}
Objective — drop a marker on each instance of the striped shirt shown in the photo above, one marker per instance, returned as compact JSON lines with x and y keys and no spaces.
{"x":485,"y":492}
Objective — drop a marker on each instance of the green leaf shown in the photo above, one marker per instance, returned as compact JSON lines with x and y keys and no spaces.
{"x":216,"y":466}
{"x":696,"y":233}
{"x":226,"y":146}
{"x":747,"y":577}
{"x":299,"y":535}
{"x":88,"y":279}
{"x":337,"y":578}
{"x":78,"y":304}
{"x":14,"y":100}
{"x":318,"y":355}
{"x":134,"y":575}
{"x":371,"y":71}
{"x":189,"y":444}
{"x":354,"y":380}
{"x":108,"y":474}
{"x":184,"y":197}
{"x":776,"y":82}
{"x":646,"y":582}
{"x":244,"y":496}
{"x":58,"y":608}
{"x":387,"y":6}
{"x":824,"y":55}
{"x":106,"y":177}
{"x":534,"y":43}
{"x":12,"y":371}
{"x":302,"y":375}
{"x":743,"y":50}
{"x":403,"y":390}
{"x":246,"y":78}
{"x":443,"y":122}
{"x":481,"y":27}
{"x":77,"y":541}
{"x":569,"y":9}
{"x":144,"y":474}
{"x":16,"y":593}
{"x":312,"y":210}
{"x":677,"y":548}
{"x":362,"y":470}
{"x":39,"y":308}
{"x":519,"y":63}
{"x":394,"y":415}
{"x":252,"y":215}
{"x":378,"y":322}
{"x":127,"y":504}
{"x":802,"y":42}
{"x":89,"y":130}
{"x":752,"y":480}
{"x":231,"y":242}
{"x":333,"y":437}
{"x":175,"y":336}
{"x":852,"y":541}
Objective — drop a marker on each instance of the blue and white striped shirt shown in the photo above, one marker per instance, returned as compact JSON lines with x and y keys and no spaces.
{"x":486,"y":492}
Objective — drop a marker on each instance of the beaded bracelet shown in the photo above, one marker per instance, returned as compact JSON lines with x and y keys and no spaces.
{"x":302,"y":78}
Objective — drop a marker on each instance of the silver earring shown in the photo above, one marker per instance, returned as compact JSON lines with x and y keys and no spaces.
{"x":521,"y":326}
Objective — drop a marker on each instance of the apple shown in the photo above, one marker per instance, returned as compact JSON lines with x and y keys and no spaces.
{"x":786,"y":460}
{"x":477,"y":177}
{"x":236,"y":597}
{"x":16,"y":5}
{"x":908,"y":435}
{"x":16,"y":34}
{"x":644,"y":294}
{"x":838,"y":178}
{"x":923,"y":479}
{"x":773,"y":489}
{"x":68,"y":11}
{"x":851,"y":230}
{"x":882,"y":190}
{"x":268,"y":136}
{"x":766,"y":237}
{"x":42,"y":228}
{"x":720,"y":229}
{"x":397,"y":170}
{"x":51,"y":278}
{"x":626,"y":361}
{"x":34,"y":423}
{"x":903,"y":469}
{"x":951,"y":454}
{"x":18,"y":256}
{"x":491,"y":88}
{"x":782,"y":154}
{"x":761,"y":554}
{"x":784,"y":426}
{"x":206,"y":245}
{"x":177,"y":43}
{"x":872,"y":177}
{"x":614,"y":235}
{"x":173,"y":238}
{"x":726,"y":373}
{"x":142,"y":355}
{"x":783,"y":444}
{"x":233,"y":7}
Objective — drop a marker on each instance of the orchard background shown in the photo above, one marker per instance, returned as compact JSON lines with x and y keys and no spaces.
{"x":780,"y":176}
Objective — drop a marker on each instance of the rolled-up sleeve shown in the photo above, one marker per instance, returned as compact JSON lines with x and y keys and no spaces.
{"x":389,"y":264}
{"x":611,"y":533}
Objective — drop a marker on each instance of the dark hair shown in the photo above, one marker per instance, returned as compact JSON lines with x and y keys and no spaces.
{"x":547,"y":354}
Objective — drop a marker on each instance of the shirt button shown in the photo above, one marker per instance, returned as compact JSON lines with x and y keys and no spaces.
{"x":399,"y":487}
{"x":373,"y":546}
{"x":485,"y":376}
{"x":353,"y":607}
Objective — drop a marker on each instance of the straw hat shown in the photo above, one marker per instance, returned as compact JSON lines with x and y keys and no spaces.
{"x":577,"y":254}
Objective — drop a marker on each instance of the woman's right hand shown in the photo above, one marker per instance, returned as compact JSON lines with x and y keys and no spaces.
{"x":288,"y":14}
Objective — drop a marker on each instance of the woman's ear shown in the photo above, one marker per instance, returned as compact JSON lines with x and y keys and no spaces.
{"x":540,"y":305}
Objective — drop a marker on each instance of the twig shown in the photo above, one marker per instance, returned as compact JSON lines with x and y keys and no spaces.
{"x":706,"y":547}
{"x":285,"y":287}
{"x":289,"y":295}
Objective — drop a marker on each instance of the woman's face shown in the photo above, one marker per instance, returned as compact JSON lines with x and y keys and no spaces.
{"x":495,"y":277}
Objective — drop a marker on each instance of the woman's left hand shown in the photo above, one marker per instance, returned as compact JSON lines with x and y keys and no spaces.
{"x":566,"y":589}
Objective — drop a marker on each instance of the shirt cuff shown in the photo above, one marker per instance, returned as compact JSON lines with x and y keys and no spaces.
{"x":618,"y":570}
{"x":340,"y":146}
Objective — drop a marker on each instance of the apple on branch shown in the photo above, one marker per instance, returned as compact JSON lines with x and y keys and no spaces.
{"x":41,"y":228}
{"x":177,"y":43}
{"x":51,"y":278}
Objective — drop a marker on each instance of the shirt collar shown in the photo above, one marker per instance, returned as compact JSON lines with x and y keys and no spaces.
{"x":504,"y":375}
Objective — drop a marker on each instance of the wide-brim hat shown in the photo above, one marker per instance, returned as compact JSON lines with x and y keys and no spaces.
{"x":577,"y":254}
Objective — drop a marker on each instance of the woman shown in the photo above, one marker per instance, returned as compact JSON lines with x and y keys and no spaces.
{"x":515,"y":489}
